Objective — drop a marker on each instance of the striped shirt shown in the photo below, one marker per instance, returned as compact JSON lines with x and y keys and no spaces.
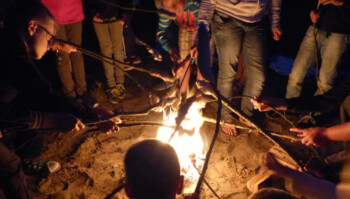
{"x":187,"y":21}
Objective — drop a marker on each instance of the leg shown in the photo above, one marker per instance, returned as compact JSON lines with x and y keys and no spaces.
{"x":74,"y":34}
{"x":302,"y":63}
{"x":104,"y":39}
{"x":228,"y":39}
{"x":332,"y":50}
{"x":64,"y":67}
{"x":116,"y":32}
{"x":254,"y":61}
{"x":11,"y":174}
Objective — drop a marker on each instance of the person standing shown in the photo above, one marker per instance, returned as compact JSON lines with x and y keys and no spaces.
{"x":69,"y":16}
{"x":331,"y":34}
{"x":240,"y":27}
{"x":108,"y":22}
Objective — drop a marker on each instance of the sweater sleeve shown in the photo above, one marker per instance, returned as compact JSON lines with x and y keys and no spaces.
{"x":206,"y":12}
{"x":165,"y":19}
{"x":321,"y":103}
{"x":12,"y":117}
{"x":275,"y":14}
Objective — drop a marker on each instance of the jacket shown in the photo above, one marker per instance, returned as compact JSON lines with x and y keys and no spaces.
{"x":65,"y":11}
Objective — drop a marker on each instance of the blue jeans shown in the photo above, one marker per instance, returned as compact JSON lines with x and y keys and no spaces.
{"x":232,"y":38}
{"x":331,"y":47}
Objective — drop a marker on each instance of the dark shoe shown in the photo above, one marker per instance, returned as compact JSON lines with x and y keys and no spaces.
{"x":134,"y":60}
{"x":88,"y":100}
{"x":116,"y":94}
{"x":41,"y":167}
{"x":162,"y":86}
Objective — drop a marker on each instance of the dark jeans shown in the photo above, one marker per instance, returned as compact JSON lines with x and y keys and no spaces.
{"x":71,"y":66}
{"x":12,"y":180}
{"x":233,"y":38}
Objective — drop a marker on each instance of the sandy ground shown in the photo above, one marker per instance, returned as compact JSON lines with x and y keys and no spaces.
{"x":92,"y":162}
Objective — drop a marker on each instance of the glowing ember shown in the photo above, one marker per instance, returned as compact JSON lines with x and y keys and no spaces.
{"x":188,"y":144}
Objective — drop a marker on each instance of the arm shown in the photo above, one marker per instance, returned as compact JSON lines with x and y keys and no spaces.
{"x":267,"y":103}
{"x":165,"y":19}
{"x":319,"y":136}
{"x":206,"y":12}
{"x":14,"y":118}
{"x":334,"y":2}
{"x":302,"y":183}
{"x":275,"y":19}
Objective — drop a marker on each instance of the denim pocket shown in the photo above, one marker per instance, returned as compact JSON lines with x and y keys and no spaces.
{"x":219,"y":19}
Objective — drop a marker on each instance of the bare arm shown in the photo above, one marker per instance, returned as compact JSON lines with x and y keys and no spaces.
{"x":302,"y":183}
{"x":319,"y":136}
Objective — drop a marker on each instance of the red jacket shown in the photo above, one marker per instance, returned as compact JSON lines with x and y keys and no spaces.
{"x":65,"y":11}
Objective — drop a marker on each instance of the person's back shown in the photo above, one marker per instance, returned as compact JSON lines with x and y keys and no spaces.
{"x":152,"y":171}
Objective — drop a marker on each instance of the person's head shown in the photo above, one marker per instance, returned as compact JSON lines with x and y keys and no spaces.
{"x":34,"y":23}
{"x":152,"y":171}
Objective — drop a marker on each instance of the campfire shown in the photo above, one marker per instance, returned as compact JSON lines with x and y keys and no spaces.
{"x":187,"y":143}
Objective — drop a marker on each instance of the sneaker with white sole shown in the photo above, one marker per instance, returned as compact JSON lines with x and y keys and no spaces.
{"x":41,"y":167}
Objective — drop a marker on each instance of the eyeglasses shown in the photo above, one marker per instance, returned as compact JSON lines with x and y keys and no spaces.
{"x":50,"y":37}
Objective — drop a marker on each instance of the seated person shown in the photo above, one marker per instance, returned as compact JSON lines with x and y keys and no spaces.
{"x":27,"y":35}
{"x":152,"y":171}
{"x":307,"y":185}
{"x":12,"y":181}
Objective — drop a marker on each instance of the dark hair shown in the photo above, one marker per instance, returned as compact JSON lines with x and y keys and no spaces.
{"x":20,"y":12}
{"x":152,"y":170}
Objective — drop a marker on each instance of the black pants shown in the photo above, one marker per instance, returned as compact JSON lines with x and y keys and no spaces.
{"x":12,"y":180}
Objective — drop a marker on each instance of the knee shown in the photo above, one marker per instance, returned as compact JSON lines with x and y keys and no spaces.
{"x":13,"y":164}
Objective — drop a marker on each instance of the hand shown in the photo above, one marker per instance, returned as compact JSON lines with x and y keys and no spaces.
{"x":264,"y":104}
{"x":312,"y":136}
{"x":334,"y":2}
{"x":110,"y":126}
{"x":97,"y":18}
{"x":314,"y":15}
{"x":66,"y":47}
{"x":194,"y":51}
{"x":64,"y":122}
{"x":272,"y":164}
{"x":277,"y":33}
{"x":121,"y":20}
{"x":174,"y":55}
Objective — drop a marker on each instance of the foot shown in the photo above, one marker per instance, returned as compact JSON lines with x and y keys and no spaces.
{"x":229,"y":130}
{"x":42,"y":167}
{"x":116,"y":94}
{"x":134,"y":60}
